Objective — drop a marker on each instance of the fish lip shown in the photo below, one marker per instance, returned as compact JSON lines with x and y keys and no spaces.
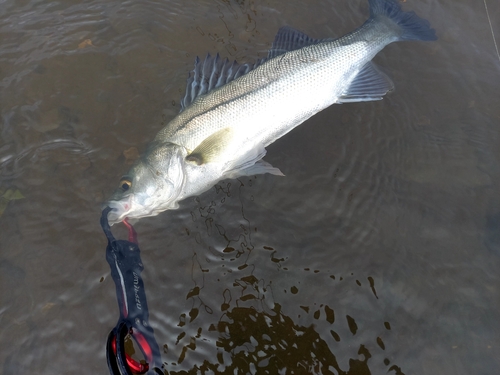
{"x":119,"y":210}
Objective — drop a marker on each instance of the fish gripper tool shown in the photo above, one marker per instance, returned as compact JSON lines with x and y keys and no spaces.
{"x":126,"y":266}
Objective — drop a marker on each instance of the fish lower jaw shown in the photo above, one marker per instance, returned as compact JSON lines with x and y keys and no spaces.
{"x":119,"y":211}
{"x":123,"y":210}
{"x":115,"y":217}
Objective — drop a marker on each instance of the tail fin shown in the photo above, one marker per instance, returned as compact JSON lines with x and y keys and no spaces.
{"x":412,"y":26}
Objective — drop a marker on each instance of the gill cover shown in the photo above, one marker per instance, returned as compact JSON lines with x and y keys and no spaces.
{"x":152,"y":184}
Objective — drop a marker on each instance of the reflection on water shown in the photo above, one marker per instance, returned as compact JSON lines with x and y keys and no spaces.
{"x":240,"y":325}
{"x":378,"y":252}
{"x":252,"y":339}
{"x":273,"y":343}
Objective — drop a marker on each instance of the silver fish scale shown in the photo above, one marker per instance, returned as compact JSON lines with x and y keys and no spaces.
{"x":223,"y":132}
{"x":271,"y":100}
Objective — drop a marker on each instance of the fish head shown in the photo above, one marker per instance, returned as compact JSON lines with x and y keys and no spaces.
{"x":152,"y":185}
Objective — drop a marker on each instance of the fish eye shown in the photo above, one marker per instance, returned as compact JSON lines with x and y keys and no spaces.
{"x":125,"y":184}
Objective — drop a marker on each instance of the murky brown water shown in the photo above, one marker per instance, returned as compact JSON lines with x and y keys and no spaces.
{"x":379,"y":251}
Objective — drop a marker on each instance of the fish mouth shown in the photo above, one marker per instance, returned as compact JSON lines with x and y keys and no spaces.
{"x":119,"y":210}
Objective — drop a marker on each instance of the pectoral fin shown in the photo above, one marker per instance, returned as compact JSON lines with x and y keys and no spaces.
{"x":215,"y":149}
{"x":212,"y":147}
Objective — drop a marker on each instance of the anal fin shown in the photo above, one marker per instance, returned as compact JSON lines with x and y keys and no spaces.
{"x":370,"y":84}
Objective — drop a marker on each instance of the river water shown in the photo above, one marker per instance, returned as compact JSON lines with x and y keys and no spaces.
{"x":378,"y":252}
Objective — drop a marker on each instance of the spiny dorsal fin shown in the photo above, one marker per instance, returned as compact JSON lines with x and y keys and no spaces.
{"x":369,"y":84}
{"x":212,"y":72}
{"x":289,"y":39}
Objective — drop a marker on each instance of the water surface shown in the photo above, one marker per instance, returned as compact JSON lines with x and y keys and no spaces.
{"x":379,"y":251}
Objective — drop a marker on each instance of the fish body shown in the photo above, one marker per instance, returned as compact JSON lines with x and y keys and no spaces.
{"x":231,"y":113}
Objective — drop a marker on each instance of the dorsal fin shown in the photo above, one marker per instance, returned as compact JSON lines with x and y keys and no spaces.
{"x":211,"y":73}
{"x":289,"y":39}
